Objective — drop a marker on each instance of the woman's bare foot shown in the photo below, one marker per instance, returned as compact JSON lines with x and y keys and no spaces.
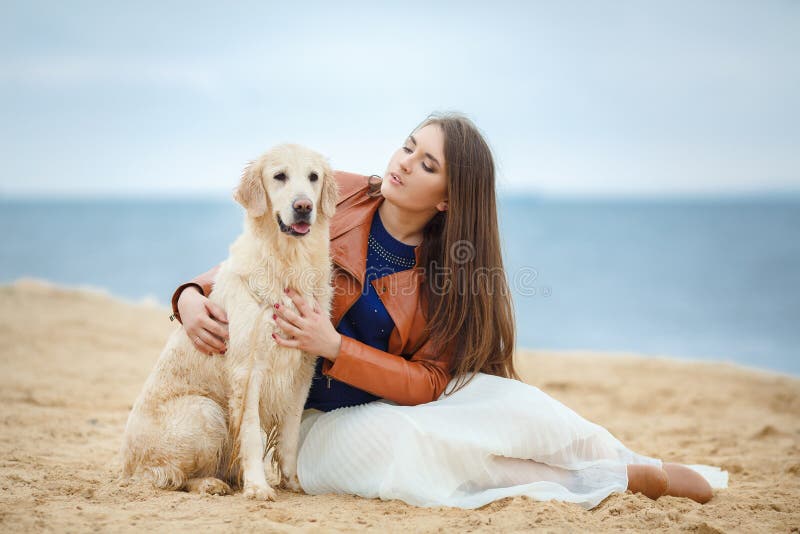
{"x":648,"y":480}
{"x":684,"y":482}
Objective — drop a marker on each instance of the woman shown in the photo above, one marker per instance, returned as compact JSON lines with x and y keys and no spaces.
{"x":415,"y":395}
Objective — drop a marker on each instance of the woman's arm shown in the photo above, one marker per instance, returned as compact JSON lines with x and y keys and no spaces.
{"x":205,"y":321}
{"x":418,"y":380}
{"x":202,"y":282}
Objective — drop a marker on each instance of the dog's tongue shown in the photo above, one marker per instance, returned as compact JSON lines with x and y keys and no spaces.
{"x":301,"y":227}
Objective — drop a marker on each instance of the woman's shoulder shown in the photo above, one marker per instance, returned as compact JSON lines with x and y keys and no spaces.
{"x":349,"y":183}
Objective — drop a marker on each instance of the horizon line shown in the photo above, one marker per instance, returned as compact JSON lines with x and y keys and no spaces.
{"x":502,"y":193}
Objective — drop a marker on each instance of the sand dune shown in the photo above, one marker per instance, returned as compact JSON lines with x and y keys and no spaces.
{"x":72,"y":362}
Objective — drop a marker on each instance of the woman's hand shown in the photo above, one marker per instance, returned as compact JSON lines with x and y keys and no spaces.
{"x":205,"y":322}
{"x":310,"y":330}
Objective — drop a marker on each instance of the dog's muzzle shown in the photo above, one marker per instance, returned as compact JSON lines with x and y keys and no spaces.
{"x":297,"y":228}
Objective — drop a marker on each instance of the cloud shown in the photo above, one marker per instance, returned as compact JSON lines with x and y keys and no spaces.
{"x":71,"y":71}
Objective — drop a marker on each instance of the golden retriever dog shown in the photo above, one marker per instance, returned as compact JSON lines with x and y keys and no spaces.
{"x":201,"y":423}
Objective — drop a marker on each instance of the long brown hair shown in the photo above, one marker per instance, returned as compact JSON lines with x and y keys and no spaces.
{"x":470,"y":312}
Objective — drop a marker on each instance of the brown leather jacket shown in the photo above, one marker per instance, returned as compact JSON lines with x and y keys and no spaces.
{"x":410,"y":373}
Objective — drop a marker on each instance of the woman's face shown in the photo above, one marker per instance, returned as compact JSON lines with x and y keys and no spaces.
{"x":419,"y":164}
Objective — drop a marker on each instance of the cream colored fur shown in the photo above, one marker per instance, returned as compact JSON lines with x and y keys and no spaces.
{"x":198,"y":422}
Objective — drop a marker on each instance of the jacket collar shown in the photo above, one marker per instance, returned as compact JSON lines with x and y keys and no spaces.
{"x":349,"y":234}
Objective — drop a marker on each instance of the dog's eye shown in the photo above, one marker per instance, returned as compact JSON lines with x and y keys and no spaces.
{"x":313,"y":177}
{"x":280,"y":176}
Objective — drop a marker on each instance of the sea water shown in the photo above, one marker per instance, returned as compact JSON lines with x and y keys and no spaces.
{"x":712,"y":279}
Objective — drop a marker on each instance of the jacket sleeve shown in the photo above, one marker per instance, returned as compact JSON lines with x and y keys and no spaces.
{"x":418,"y":380}
{"x":204,"y":282}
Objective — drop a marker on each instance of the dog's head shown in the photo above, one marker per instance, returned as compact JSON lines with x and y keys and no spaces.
{"x":290,"y":184}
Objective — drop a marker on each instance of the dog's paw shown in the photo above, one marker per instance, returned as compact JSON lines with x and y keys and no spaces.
{"x":211,"y":486}
{"x":208,"y":486}
{"x":291,"y":484}
{"x":259,"y":493}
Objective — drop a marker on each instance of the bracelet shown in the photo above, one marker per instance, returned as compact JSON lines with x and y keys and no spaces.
{"x":177,"y":295}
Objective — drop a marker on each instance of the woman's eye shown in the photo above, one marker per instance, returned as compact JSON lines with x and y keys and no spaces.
{"x":409,"y":151}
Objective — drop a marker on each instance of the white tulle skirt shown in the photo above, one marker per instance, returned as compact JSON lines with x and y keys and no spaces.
{"x":494,"y":438}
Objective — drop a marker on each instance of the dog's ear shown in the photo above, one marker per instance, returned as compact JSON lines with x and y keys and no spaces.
{"x":250,"y":192}
{"x":329,"y":195}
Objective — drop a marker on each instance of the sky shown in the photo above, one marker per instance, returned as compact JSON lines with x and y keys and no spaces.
{"x":574,"y":98}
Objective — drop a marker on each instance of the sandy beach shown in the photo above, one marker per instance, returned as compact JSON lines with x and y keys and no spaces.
{"x":72,"y":362}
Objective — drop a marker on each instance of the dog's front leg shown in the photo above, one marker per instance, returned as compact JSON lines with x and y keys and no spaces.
{"x":251,"y":446}
{"x":289,"y":435}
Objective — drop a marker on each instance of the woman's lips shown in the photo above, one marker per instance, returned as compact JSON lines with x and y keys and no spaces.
{"x":394,"y":179}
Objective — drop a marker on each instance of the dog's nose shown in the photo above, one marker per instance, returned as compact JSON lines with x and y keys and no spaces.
{"x":302,"y":206}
